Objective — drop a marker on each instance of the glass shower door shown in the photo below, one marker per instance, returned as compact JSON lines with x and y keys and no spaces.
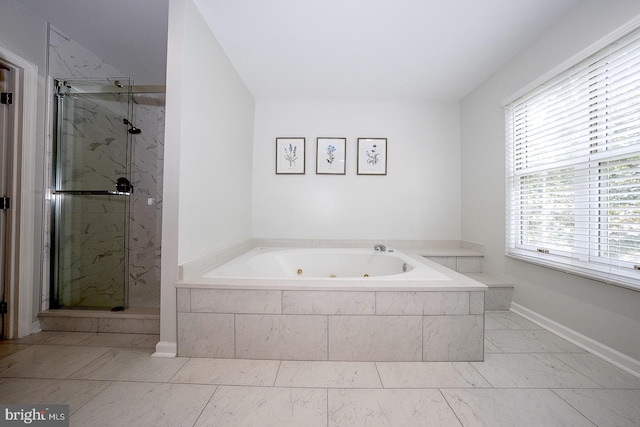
{"x":90,"y":200}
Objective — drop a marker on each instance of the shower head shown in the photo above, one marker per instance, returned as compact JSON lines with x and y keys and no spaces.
{"x":132,"y":129}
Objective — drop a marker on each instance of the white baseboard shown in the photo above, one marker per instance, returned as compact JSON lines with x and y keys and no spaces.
{"x":621,"y":360}
{"x":166,"y":349}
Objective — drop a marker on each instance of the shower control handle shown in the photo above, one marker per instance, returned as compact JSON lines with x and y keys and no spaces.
{"x":123,"y":185}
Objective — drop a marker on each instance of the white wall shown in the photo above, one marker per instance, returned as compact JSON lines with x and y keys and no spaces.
{"x":608,"y":314}
{"x":25,"y":35}
{"x":419,"y":198}
{"x":215,"y":146}
{"x":208,"y":155}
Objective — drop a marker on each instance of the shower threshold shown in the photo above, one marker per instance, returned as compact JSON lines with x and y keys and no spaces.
{"x":135,"y":320}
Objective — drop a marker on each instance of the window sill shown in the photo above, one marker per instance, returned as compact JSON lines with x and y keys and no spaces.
{"x":609,"y":279}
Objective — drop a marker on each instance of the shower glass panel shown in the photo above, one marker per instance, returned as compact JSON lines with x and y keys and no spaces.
{"x":90,"y":200}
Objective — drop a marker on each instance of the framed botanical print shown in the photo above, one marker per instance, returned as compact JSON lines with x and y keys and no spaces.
{"x":330,"y":156}
{"x":372,"y":156}
{"x":290,"y":156}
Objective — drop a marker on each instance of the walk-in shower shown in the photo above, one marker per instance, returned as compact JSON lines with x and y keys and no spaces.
{"x":91,"y":194}
{"x":104,"y":195}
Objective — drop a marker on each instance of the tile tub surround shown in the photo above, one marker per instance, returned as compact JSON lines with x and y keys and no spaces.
{"x":316,"y":319}
{"x":331,"y":325}
{"x":499,"y":294}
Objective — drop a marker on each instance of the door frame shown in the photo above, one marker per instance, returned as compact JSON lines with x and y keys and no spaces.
{"x":23,"y":192}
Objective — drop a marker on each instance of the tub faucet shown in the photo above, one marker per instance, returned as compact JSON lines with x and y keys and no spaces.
{"x":380,"y":247}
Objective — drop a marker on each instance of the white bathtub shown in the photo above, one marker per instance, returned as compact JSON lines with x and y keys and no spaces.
{"x":323,"y":263}
{"x":317,"y":263}
{"x":332,"y":268}
{"x":331,"y":304}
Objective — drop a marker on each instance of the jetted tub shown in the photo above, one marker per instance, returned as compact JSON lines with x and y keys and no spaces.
{"x":341,"y":266}
{"x":331,"y":304}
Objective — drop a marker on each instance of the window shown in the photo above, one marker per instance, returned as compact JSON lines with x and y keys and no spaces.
{"x":573,"y":168}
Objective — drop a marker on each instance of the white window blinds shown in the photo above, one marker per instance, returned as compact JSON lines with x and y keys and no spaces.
{"x":573,"y":168}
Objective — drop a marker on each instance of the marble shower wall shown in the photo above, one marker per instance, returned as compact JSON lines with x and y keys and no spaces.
{"x":146,"y":201}
{"x":70,"y":60}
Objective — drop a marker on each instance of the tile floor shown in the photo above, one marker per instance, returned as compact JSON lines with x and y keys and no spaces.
{"x":530,"y":377}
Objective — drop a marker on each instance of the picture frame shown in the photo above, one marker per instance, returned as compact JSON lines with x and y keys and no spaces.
{"x":290,"y":156}
{"x":331,"y":156}
{"x":372,"y":156}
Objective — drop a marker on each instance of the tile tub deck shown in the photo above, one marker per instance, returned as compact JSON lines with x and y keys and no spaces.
{"x":373,"y":323}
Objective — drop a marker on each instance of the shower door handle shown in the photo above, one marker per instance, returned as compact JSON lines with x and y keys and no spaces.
{"x":123,"y":185}
{"x":92,"y":193}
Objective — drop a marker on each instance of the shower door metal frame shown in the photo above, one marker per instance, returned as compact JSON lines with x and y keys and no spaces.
{"x":56,"y":172}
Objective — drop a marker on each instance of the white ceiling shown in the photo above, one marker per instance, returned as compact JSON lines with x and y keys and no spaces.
{"x":373,"y":49}
{"x":131,"y":35}
{"x":323,"y":49}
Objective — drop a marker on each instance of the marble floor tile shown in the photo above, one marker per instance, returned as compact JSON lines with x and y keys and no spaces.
{"x":491,"y":323}
{"x":529,"y":341}
{"x":509,"y":408}
{"x":74,"y":393}
{"x":265,"y":406}
{"x":537,"y":370}
{"x":429,"y":375}
{"x":108,"y":380}
{"x":145,"y":404}
{"x":124,"y":364}
{"x":7,"y":349}
{"x":48,"y":361}
{"x":489,"y":347}
{"x":619,"y":408}
{"x":325,"y":374}
{"x":510,"y":320}
{"x":228,"y":372}
{"x":122,"y":340}
{"x":604,"y":373}
{"x":389,"y":408}
{"x":59,"y":338}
